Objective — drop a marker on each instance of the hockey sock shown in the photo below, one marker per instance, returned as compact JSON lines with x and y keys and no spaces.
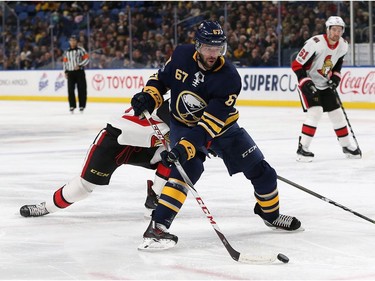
{"x":161,"y":177}
{"x":264,"y":179}
{"x":171,"y":200}
{"x":269,"y":205}
{"x":75,"y":190}
{"x":339,"y":125}
{"x":309,"y":126}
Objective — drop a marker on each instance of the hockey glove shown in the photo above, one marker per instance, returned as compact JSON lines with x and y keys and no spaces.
{"x":334,"y":82}
{"x":141,"y":102}
{"x":182,"y":152}
{"x":308,"y":88}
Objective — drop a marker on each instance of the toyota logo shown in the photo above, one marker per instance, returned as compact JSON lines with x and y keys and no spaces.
{"x":98,"y":82}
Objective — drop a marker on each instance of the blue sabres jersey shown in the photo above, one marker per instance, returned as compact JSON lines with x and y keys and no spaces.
{"x":201,"y":99}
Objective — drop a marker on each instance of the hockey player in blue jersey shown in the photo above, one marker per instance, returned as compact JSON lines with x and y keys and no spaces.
{"x":204,"y":87}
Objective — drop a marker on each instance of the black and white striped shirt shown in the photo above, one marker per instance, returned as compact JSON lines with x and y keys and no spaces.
{"x":75,"y":57}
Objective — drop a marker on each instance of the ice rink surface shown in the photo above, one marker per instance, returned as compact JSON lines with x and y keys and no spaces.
{"x":42,"y":146}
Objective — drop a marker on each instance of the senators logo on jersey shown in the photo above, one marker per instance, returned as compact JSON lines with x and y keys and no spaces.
{"x":327,"y":66}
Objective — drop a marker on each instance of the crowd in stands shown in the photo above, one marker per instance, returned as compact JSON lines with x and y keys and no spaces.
{"x":258,"y":35}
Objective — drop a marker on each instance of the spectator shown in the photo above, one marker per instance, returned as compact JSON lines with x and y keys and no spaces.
{"x":255,"y":59}
{"x":139,"y":59}
{"x":152,"y":25}
{"x":117,"y":61}
{"x":158,"y":60}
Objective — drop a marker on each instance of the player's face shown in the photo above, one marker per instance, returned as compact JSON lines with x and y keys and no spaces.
{"x":209,"y":54}
{"x":334,"y":33}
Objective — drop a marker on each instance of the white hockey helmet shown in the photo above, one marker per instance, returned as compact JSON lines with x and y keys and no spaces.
{"x":334,"y":20}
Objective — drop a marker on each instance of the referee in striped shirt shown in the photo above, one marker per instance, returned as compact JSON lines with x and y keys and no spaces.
{"x":74,"y":61}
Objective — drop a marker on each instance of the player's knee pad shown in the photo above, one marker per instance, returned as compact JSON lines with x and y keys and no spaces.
{"x":337,"y":118}
{"x":194,"y":167}
{"x":263,"y":177}
{"x":313,"y":115}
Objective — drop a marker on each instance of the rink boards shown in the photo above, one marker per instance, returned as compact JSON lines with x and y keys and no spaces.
{"x":260,"y":86}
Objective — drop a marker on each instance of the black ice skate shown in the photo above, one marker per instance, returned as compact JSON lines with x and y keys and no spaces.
{"x":283,"y":222}
{"x":157,"y":238}
{"x":304,"y":154}
{"x":34,"y":210}
{"x":352,"y":153}
{"x":151,"y":200}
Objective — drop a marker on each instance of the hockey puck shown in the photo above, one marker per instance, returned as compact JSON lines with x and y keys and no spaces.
{"x":283,"y":258}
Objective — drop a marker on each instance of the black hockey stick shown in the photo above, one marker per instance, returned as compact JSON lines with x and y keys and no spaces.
{"x":237,"y":256}
{"x":347,"y":119}
{"x":325,"y":199}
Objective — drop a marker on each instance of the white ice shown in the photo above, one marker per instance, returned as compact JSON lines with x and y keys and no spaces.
{"x":42,"y":146}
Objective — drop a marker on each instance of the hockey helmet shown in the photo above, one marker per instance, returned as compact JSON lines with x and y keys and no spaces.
{"x":210,"y":33}
{"x":334,"y":20}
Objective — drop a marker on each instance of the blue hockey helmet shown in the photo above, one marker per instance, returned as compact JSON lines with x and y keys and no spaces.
{"x":210,"y":33}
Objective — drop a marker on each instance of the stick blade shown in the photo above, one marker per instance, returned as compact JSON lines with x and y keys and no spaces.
{"x":251,"y":259}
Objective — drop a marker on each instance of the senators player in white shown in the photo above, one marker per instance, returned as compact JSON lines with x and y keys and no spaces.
{"x":126,"y":140}
{"x":318,"y":66}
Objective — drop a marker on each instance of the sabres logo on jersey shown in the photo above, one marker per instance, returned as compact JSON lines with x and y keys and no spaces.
{"x":327,"y":66}
{"x":190,"y":107}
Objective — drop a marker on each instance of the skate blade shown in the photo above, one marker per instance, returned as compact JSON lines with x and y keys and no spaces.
{"x":351,"y":156}
{"x":277,"y":229}
{"x":152,"y":245}
{"x":304,"y":159}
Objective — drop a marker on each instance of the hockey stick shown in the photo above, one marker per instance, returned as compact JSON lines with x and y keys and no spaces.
{"x":237,"y":256}
{"x":347,"y":119}
{"x":324,"y":198}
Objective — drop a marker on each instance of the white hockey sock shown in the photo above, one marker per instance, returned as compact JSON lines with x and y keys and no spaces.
{"x":339,"y":125}
{"x":75,"y":190}
{"x":162,"y":172}
{"x":158,"y":185}
{"x":311,"y":123}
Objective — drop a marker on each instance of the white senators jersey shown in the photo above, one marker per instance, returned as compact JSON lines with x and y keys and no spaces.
{"x":318,"y":58}
{"x":138,"y":132}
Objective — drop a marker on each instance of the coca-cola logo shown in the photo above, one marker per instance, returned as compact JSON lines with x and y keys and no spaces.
{"x":358,"y":85}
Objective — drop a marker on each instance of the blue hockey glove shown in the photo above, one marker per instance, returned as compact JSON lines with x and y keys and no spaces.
{"x":182,"y":152}
{"x":142,"y":101}
{"x":309,"y":89}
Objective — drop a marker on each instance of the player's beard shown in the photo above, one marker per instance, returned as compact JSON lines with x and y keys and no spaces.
{"x":334,"y":38}
{"x":207,"y":63}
